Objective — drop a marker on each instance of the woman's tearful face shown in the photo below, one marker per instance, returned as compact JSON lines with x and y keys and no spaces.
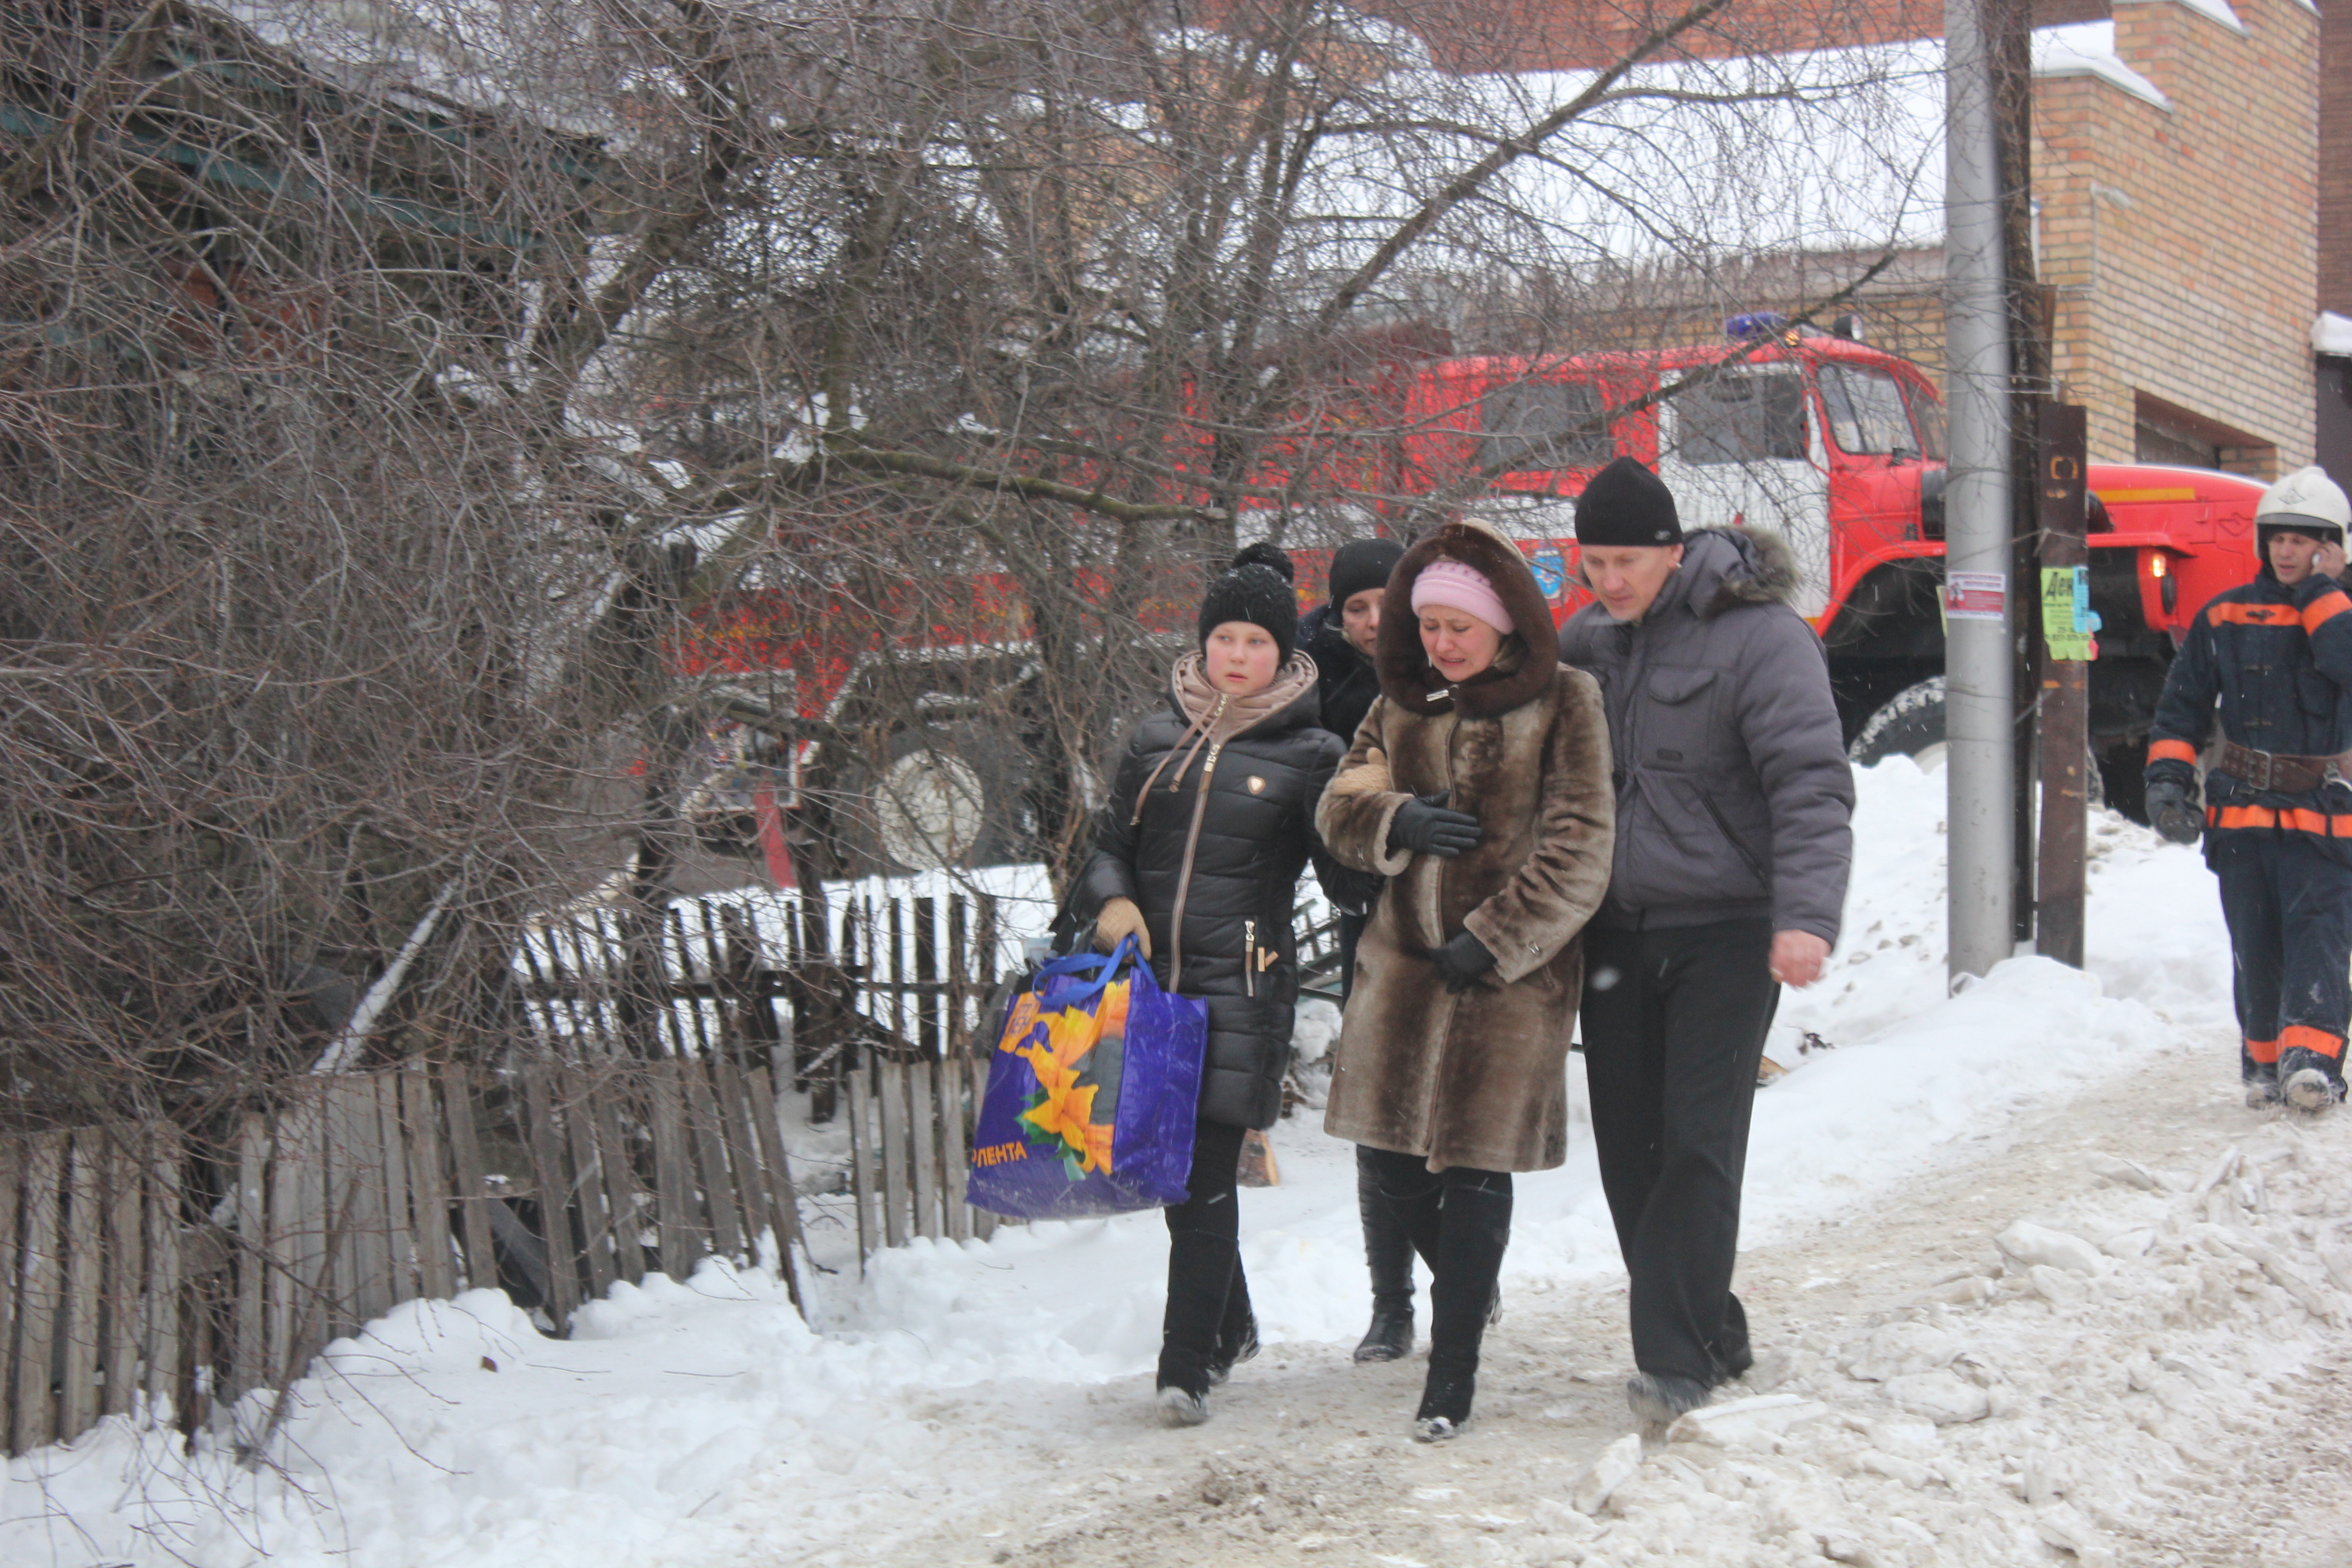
{"x":1459,"y":645}
{"x":1242,"y":658}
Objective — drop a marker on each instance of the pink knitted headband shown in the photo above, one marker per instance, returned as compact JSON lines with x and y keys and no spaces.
{"x":1460,"y":586}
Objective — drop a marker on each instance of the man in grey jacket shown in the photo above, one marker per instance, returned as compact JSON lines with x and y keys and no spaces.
{"x":1734,"y":809}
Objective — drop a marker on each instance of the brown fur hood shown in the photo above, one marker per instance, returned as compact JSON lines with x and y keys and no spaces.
{"x":1406,"y":677}
{"x":1724,"y":568}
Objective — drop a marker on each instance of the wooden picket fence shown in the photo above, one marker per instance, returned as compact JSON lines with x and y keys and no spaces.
{"x":877,"y":995}
{"x":130,"y":1267}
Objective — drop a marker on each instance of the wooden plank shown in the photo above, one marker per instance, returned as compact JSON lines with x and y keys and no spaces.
{"x":399,"y":1231}
{"x":288,"y":1240}
{"x":955,"y":1142}
{"x":13,"y":1155}
{"x":125,"y":1250}
{"x":892,"y":1092}
{"x":370,"y":1221}
{"x":338,"y":1208}
{"x":429,"y":1183}
{"x":984,"y":1224}
{"x":79,"y":1322}
{"x":249,"y":1366}
{"x":587,"y":1179}
{"x":465,"y":1178}
{"x":160,"y":1320}
{"x":680,"y":1238}
{"x":39,"y":1281}
{"x":784,"y":1202}
{"x":710,"y":1158}
{"x":543,"y":1139}
{"x":616,"y":1163}
{"x":923,"y":1146}
{"x":862,"y":1168}
{"x":742,"y":1151}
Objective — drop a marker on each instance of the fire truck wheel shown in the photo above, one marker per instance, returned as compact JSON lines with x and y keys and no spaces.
{"x":943,"y":795}
{"x":1911,"y":724}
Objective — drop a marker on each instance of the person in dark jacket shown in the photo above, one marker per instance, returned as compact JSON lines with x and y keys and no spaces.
{"x":1734,"y":802}
{"x":1197,"y":854}
{"x":2276,"y":655}
{"x":1343,"y":637}
{"x":1478,"y":786}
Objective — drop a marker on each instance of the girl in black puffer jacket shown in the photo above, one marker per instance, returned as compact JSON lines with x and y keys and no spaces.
{"x":1198,"y":854}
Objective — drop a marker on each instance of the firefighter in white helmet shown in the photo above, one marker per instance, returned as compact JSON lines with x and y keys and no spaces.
{"x":2276,"y":655}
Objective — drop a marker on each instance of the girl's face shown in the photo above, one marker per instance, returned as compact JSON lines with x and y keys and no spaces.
{"x":1242,"y":658}
{"x":1458,"y":643}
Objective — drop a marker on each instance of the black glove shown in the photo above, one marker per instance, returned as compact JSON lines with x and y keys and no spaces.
{"x":1423,"y":826}
{"x":2172,"y":813}
{"x":1461,"y":961}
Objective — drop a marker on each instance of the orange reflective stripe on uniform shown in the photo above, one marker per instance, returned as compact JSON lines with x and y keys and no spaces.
{"x":2264,"y":1051}
{"x":2228,"y":614}
{"x":2324,"y":608}
{"x":2171,"y":752}
{"x":2303,"y":1038}
{"x":2325,"y":824}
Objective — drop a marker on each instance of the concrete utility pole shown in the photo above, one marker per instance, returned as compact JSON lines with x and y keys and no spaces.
{"x":1978,"y":716}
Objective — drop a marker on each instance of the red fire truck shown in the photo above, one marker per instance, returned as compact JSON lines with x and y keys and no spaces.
{"x":1834,"y":444}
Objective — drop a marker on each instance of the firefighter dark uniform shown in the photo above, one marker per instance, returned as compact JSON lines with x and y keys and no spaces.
{"x":2277,"y":822}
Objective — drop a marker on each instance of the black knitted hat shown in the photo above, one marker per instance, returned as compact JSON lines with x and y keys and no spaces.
{"x":1257,"y":589}
{"x":1362,"y":564}
{"x":1627,"y":504}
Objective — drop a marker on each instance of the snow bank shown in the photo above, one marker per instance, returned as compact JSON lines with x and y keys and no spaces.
{"x":688,"y":1421}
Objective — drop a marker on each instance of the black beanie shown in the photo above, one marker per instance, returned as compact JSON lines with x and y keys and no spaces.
{"x":1257,"y":589}
{"x":1627,"y":504}
{"x":1362,"y":564}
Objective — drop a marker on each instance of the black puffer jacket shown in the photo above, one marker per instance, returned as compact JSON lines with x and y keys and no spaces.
{"x":1210,"y":823}
{"x":1345,"y":679}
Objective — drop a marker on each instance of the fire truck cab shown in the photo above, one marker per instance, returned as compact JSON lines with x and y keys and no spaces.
{"x":1838,"y":446}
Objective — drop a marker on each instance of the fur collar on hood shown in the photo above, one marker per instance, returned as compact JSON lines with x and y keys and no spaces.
{"x":1724,"y":568}
{"x":1406,"y":677}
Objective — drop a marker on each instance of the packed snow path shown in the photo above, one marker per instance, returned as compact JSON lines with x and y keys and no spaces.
{"x":2163,"y":1393}
{"x":2157,"y":1384}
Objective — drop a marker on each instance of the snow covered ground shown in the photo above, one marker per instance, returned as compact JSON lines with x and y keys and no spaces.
{"x":936,"y":1407}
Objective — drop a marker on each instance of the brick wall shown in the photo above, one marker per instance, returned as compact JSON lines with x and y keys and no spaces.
{"x":2180,"y":241}
{"x":2336,"y":158}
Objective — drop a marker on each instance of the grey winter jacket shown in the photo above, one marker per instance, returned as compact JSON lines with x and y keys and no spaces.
{"x":1734,"y":798}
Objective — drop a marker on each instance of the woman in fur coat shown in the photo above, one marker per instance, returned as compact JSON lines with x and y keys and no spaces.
{"x":1479,"y":785}
{"x":1198,"y":854}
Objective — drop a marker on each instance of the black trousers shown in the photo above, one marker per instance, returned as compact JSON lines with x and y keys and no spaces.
{"x":1388,"y":1251}
{"x":2288,"y":902}
{"x":1674,"y":1025}
{"x":1208,"y":1297}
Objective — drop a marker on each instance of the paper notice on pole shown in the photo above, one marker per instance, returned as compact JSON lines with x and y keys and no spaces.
{"x":2067,"y":618}
{"x":1976,"y":596}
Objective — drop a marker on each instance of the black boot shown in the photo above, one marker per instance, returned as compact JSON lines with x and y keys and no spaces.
{"x":1388,"y":1252}
{"x":1237,"y":1333}
{"x":1201,"y":1265}
{"x":1476,"y":1228}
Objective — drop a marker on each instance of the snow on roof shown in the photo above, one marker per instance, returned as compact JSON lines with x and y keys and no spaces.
{"x":510,"y":56}
{"x":1820,"y":151}
{"x":2331,"y":334}
{"x":2088,"y":48}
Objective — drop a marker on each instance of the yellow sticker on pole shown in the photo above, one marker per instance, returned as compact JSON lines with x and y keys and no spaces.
{"x":2067,"y":618}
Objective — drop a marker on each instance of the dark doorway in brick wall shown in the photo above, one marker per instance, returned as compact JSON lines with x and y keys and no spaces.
{"x":2167,"y":432}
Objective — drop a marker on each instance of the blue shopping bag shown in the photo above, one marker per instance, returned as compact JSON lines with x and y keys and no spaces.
{"x":1092,"y":1091}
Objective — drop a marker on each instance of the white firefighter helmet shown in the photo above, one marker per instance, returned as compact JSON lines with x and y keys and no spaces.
{"x":2306,"y":501}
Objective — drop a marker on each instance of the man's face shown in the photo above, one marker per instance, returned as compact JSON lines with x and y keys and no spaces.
{"x":1359,"y":620}
{"x":1627,"y":578}
{"x":2293,"y":555}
